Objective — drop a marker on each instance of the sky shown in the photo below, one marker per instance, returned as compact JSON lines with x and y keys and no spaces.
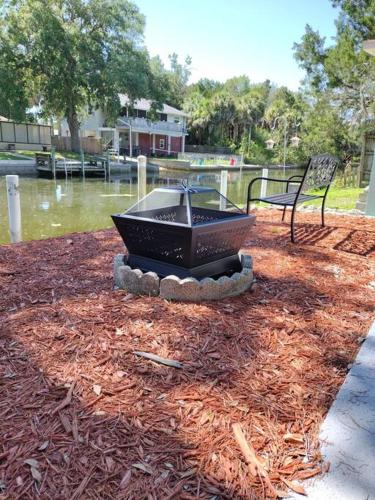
{"x":227,"y":38}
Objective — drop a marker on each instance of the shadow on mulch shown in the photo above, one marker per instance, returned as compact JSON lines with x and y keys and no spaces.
{"x":310,"y":234}
{"x":78,"y":452}
{"x":358,"y":242}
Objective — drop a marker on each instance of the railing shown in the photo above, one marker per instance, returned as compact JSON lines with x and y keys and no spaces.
{"x":144,"y":125}
{"x":24,"y":133}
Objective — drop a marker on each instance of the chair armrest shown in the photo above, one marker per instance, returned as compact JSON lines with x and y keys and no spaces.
{"x":251,"y":185}
{"x":294,"y":182}
{"x":268,"y":179}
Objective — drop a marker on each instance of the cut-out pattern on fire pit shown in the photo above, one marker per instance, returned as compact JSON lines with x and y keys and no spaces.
{"x":185,"y":231}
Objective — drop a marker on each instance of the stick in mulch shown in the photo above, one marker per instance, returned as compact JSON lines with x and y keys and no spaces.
{"x":158,"y":359}
{"x":255,"y":465}
{"x":66,"y":401}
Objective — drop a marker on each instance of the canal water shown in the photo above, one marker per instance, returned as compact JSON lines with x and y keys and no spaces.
{"x":53,"y":208}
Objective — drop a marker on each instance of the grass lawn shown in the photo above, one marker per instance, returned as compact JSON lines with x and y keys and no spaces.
{"x":20,"y":153}
{"x":5,"y":155}
{"x":66,"y":154}
{"x":341,"y":198}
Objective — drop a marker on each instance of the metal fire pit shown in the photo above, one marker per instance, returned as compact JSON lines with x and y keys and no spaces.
{"x":184,"y":231}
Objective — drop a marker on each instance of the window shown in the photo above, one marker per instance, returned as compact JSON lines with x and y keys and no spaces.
{"x":162,"y":117}
{"x":161,"y":143}
{"x":141,"y":113}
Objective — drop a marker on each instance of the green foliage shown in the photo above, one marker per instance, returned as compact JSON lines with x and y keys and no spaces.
{"x":13,"y":94}
{"x":343,"y":69}
{"x":170,"y":84}
{"x":244,"y":116}
{"x":78,"y":54}
{"x":329,"y":115}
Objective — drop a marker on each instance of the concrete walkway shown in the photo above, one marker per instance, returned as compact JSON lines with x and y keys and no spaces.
{"x":348,"y":435}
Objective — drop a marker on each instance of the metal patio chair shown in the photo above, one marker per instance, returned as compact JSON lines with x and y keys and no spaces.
{"x":319,"y":173}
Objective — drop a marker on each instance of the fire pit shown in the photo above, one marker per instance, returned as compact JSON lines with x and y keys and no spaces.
{"x":184,"y":231}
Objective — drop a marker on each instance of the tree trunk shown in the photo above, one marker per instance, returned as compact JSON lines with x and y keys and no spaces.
{"x":74,"y":124}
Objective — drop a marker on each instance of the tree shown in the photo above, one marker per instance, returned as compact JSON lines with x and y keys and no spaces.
{"x":343,"y":69}
{"x":78,"y":54}
{"x":178,"y":79}
{"x":13,"y":96}
{"x":173,"y":81}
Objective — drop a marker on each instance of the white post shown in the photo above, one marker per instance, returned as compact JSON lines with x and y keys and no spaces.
{"x":370,"y":207}
{"x":53,"y":162}
{"x":263,"y":186}
{"x":116,"y":143}
{"x":183,"y":144}
{"x":108,"y":162}
{"x":169,"y":144}
{"x":83,"y":163}
{"x":223,"y":188}
{"x":142,"y":166}
{"x":130,"y":144}
{"x":14,"y":208}
{"x":153,"y":143}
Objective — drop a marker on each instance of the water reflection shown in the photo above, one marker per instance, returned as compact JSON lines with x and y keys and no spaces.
{"x":52,"y":208}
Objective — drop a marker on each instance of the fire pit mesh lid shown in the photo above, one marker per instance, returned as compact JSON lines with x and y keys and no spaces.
{"x":186,"y":205}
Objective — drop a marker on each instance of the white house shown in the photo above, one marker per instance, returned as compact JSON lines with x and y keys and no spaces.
{"x":134,"y":133}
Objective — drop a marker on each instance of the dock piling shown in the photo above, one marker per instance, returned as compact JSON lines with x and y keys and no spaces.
{"x":83,"y":163}
{"x":223,"y":188}
{"x":53,"y":161}
{"x":142,"y":168}
{"x":14,"y":208}
{"x":263,"y":186}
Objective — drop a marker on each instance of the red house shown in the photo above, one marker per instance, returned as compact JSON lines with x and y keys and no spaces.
{"x":135,"y":132}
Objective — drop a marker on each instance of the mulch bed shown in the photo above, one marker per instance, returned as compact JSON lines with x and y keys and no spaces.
{"x":81,"y":416}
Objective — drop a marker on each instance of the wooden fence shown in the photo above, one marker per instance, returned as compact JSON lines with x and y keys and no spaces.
{"x":367,"y":156}
{"x":89,"y":145}
{"x":349,"y":177}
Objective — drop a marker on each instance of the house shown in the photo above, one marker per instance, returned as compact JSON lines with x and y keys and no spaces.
{"x":134,"y":132}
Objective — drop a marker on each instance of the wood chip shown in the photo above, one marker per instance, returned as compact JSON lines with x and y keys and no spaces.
{"x":97,"y":389}
{"x":293,"y":438}
{"x":158,"y":359}
{"x":248,"y":452}
{"x":144,"y":467}
{"x":272,"y":360}
{"x":125,"y":479}
{"x":36,"y":474}
{"x":297,"y":488}
{"x":66,"y":401}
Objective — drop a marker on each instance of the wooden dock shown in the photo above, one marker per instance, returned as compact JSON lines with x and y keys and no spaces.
{"x":48,"y":166}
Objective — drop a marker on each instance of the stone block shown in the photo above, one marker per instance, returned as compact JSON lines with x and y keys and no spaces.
{"x":119,"y":261}
{"x":168,"y":285}
{"x":188,"y":289}
{"x":134,"y":280}
{"x":150,"y":284}
{"x":246,"y":261}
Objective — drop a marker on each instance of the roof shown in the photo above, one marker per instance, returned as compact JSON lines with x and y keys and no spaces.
{"x":3,"y":119}
{"x":145,"y":105}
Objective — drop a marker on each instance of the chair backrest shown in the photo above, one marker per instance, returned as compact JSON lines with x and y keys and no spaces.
{"x":320,"y":172}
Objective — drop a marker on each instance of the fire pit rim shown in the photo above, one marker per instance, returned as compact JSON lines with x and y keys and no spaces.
{"x":188,"y":191}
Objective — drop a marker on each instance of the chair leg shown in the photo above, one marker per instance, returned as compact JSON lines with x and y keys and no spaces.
{"x":323,"y":204}
{"x":284,"y":213}
{"x":292,"y":223}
